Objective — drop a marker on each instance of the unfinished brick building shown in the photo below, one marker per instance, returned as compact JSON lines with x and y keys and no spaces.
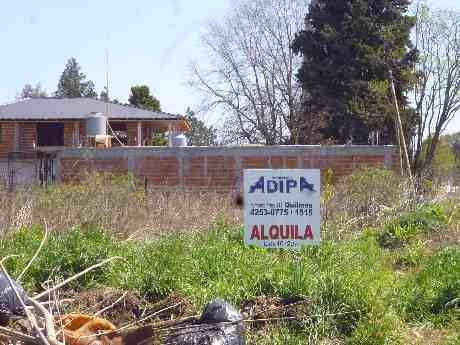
{"x":49,"y":125}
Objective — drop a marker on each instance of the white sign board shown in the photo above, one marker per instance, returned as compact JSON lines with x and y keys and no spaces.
{"x":282,"y":207}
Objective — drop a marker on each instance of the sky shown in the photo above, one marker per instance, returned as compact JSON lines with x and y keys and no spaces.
{"x":149,"y":42}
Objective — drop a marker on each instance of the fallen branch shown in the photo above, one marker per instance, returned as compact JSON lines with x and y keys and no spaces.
{"x":49,"y":322}
{"x":78,"y":275}
{"x":36,"y":253}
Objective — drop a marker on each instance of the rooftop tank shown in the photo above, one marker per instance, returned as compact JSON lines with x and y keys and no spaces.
{"x":96,"y":124}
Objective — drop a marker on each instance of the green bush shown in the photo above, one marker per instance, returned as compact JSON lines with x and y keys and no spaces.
{"x":412,"y":256}
{"x":425,"y":219}
{"x":366,"y":190}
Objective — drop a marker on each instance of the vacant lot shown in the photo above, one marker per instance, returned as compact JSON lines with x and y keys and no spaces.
{"x":387,"y":271}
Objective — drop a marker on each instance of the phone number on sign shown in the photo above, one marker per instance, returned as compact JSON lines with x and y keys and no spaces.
{"x":280,"y":212}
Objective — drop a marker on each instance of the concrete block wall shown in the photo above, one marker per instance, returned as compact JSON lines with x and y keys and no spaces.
{"x":215,"y":168}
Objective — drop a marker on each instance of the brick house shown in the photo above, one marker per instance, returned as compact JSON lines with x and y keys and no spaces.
{"x":61,"y":122}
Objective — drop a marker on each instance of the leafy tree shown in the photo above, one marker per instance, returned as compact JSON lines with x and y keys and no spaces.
{"x":444,"y":160}
{"x":200,"y":135}
{"x":140,"y":97}
{"x":73,"y":83}
{"x":159,"y":139}
{"x":349,"y":47}
{"x":104,"y":95}
{"x":29,"y":91}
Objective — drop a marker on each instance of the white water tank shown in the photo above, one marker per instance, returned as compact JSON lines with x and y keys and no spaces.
{"x":179,"y":140}
{"x":96,"y":124}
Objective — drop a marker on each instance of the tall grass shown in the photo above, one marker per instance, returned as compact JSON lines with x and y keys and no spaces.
{"x":385,"y":264}
{"x":118,"y":204}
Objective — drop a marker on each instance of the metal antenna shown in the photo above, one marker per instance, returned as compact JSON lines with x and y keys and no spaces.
{"x":107,"y":79}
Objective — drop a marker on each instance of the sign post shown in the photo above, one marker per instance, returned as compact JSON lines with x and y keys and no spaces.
{"x":282,"y":207}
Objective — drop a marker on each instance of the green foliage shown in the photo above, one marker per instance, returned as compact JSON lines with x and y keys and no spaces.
{"x":413,"y":256}
{"x":61,"y":257}
{"x":381,"y":330}
{"x":104,"y":95}
{"x":73,"y":83}
{"x":433,"y":293}
{"x":200,"y":135}
{"x":444,"y":161}
{"x":425,"y":219}
{"x":349,"y":47}
{"x":352,"y":292}
{"x":140,"y":97}
{"x":367,"y":190}
{"x":351,"y":278}
{"x":159,"y":139}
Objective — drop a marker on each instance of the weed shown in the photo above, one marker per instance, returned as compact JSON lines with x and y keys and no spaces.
{"x":426,"y":219}
{"x":431,"y":294}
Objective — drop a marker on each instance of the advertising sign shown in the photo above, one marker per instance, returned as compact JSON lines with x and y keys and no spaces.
{"x":282,"y":207}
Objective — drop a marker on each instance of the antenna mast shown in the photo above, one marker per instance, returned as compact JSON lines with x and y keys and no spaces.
{"x":107,"y":80}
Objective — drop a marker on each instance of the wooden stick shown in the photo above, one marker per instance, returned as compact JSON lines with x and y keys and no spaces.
{"x":58,"y":309}
{"x":49,"y":322}
{"x":30,"y":316}
{"x":399,"y":128}
{"x":78,"y":275}
{"x":36,"y":253}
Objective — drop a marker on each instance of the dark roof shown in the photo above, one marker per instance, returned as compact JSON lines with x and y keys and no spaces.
{"x":75,"y":108}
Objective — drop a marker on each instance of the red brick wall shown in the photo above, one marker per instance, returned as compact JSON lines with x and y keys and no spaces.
{"x":28,"y":132}
{"x":6,"y":138}
{"x":28,"y":136}
{"x":217,"y":168}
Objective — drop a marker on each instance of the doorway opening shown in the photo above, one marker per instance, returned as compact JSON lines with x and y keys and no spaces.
{"x":50,"y":134}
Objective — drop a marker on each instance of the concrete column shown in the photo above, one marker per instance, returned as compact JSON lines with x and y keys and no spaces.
{"x":76,"y":133}
{"x":170,"y":135}
{"x":17,"y":137}
{"x":139,"y":133}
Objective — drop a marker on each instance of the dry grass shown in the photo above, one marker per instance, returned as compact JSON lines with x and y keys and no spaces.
{"x":118,"y":204}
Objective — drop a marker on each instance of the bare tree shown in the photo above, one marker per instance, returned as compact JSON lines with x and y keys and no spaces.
{"x":251,"y":75}
{"x":29,"y":91}
{"x":437,"y":89}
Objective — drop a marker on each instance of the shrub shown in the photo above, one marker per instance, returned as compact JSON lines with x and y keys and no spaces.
{"x":365,"y":191}
{"x":425,"y":219}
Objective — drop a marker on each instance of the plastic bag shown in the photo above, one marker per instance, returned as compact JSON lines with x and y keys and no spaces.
{"x":10,"y":307}
{"x":82,"y":329}
{"x":220,"y":324}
